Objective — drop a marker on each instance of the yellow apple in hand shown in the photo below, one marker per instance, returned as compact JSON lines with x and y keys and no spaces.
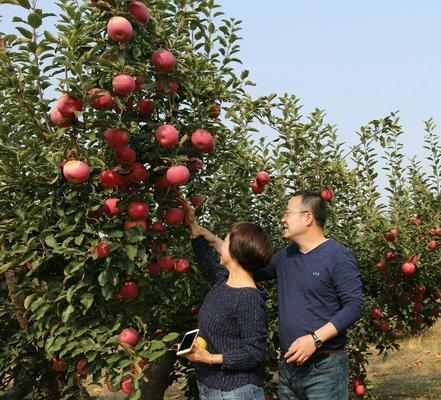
{"x":202,"y":342}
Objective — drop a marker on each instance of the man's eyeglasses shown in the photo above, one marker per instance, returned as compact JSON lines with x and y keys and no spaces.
{"x":288,"y":213}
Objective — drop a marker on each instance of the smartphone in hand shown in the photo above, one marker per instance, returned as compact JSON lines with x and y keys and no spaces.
{"x":187,"y":342}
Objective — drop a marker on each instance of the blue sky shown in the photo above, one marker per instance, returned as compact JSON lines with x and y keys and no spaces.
{"x":356,"y":60}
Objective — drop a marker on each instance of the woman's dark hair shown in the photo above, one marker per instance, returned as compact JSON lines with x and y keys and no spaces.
{"x":250,"y":245}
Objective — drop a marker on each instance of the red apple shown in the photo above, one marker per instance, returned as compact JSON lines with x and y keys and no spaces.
{"x":127,"y":385}
{"x":76,"y":171}
{"x":153,"y":269}
{"x":102,"y":250}
{"x":432,"y":245}
{"x":383,"y":327}
{"x":376,"y":313}
{"x":381,"y":266}
{"x":256,"y":188}
{"x":129,"y":336}
{"x":196,"y":200}
{"x":415,"y":219}
{"x":413,"y":259}
{"x":116,"y":138}
{"x":58,"y":364}
{"x":390,"y":255}
{"x":417,"y":320}
{"x":159,"y":332}
{"x":360,"y":390}
{"x":158,"y":227}
{"x":166,"y":262}
{"x":125,"y":156}
{"x":110,"y":179}
{"x":418,"y":307}
{"x":421,"y":289}
{"x":163,"y":60}
{"x":68,"y":105}
{"x":167,"y":136}
{"x":58,"y":119}
{"x":140,"y":11}
{"x":145,"y":107}
{"x":81,"y":364}
{"x":356,"y":381}
{"x":101,"y":99}
{"x":214,"y":111}
{"x":417,"y":297}
{"x":110,"y":206}
{"x":174,"y":216}
{"x":129,"y":290}
{"x":262,"y":178}
{"x":404,"y":298}
{"x":194,"y":309}
{"x":155,"y":249}
{"x":178,"y":175}
{"x":162,"y":183}
{"x":391,"y":235}
{"x":131,"y":224}
{"x":327,"y":194}
{"x":138,"y":210}
{"x":182,"y":265}
{"x":196,"y":163}
{"x":202,"y":141}
{"x":119,"y":29}
{"x":168,"y":86}
{"x":123,"y":84}
{"x":139,"y":81}
{"x":138,"y":173}
{"x":435,"y":231}
{"x":408,"y":268}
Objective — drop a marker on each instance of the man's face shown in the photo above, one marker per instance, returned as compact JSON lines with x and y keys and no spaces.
{"x":296,"y":219}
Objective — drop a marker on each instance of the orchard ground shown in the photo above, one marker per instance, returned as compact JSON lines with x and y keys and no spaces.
{"x":411,"y":373}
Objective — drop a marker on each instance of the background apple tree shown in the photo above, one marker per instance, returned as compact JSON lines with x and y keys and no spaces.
{"x":109,"y":116}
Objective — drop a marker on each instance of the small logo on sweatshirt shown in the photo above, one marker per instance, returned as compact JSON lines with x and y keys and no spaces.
{"x":317,"y":274}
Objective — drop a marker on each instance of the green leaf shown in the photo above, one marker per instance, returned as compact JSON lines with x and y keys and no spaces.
{"x":25,"y":4}
{"x":170,"y":337}
{"x":87,"y":301}
{"x":13,"y":2}
{"x":51,"y":38}
{"x":67,"y":313}
{"x":50,"y":241}
{"x":79,"y":239}
{"x":34,"y":20}
{"x":103,"y":277}
{"x":131,"y":251}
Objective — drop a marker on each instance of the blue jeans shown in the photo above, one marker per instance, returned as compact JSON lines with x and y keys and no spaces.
{"x":247,"y":392}
{"x":321,"y":379}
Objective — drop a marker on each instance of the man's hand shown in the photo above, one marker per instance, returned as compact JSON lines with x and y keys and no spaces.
{"x":300,"y":350}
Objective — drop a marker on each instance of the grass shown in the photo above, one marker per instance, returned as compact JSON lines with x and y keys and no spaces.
{"x":413,"y":372}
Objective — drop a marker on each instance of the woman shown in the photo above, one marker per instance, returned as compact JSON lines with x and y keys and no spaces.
{"x":233,"y":318}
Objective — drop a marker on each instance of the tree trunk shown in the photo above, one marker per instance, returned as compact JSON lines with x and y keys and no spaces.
{"x":159,"y":377}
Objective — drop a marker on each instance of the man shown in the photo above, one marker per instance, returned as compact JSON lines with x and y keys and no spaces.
{"x":319,"y":297}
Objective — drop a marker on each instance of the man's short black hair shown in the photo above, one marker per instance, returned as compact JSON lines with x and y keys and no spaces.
{"x":313,"y":201}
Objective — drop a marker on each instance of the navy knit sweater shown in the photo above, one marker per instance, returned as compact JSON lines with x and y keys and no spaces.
{"x":234,"y":322}
{"x":314,"y":288}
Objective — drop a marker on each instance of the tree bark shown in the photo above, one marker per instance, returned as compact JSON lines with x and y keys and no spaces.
{"x":159,"y":377}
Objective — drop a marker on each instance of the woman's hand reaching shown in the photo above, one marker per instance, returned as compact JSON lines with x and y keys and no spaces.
{"x":190,"y":217}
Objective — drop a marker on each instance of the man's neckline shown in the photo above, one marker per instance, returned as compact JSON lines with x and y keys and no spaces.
{"x":314,"y":248}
